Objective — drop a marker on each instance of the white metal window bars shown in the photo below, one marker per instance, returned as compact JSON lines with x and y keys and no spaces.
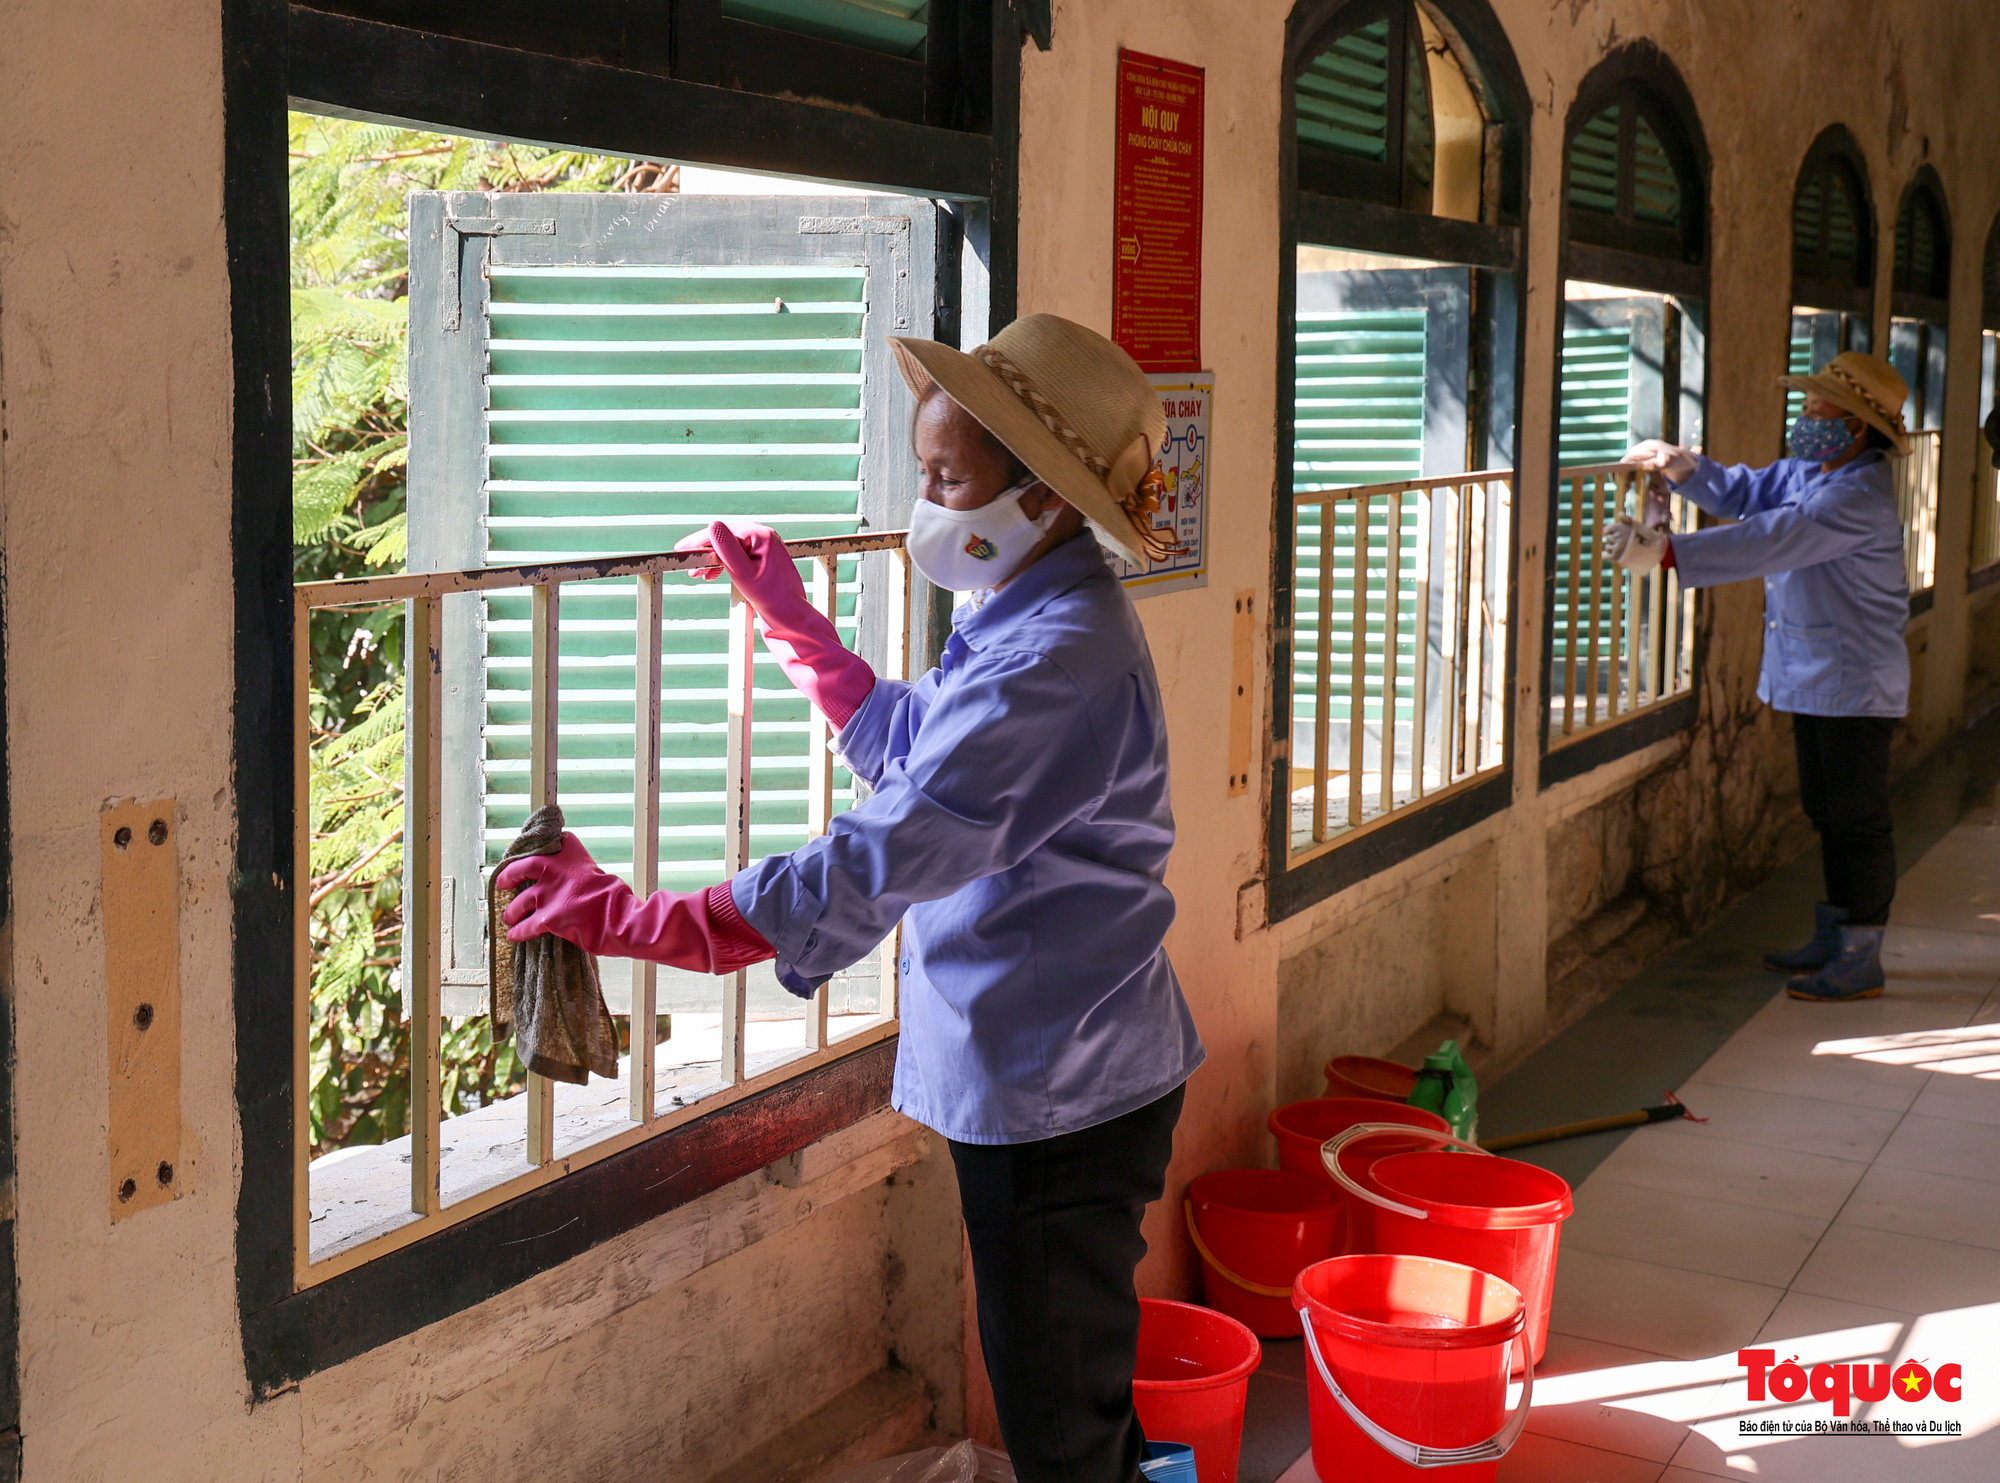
{"x":423,"y":598}
{"x":1423,"y":563}
{"x":1917,"y":505}
{"x":1986,"y":511}
{"x":1620,"y":642}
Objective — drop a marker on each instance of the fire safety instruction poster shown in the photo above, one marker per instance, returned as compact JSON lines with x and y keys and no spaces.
{"x":1183,"y":458}
{"x":1156,"y":267}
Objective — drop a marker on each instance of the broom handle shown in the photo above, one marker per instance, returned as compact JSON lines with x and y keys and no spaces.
{"x":1594,"y":1125}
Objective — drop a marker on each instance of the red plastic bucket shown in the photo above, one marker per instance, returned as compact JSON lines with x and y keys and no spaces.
{"x":1368,"y":1076}
{"x":1302,"y":1128}
{"x":1406,"y":1369}
{"x":1192,"y":1380}
{"x":1256,"y":1230}
{"x":1499,"y":1215}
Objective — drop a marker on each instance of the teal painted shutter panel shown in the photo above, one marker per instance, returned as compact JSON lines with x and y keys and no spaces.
{"x":1342,"y":95}
{"x":643,"y":366}
{"x":1817,"y":337}
{"x":1656,"y":189}
{"x":1611,"y":399}
{"x":1843,"y":222}
{"x":1358,"y":419}
{"x":1798,"y":362}
{"x":1593,"y":164}
{"x":1595,"y":416}
{"x":1808,"y":211}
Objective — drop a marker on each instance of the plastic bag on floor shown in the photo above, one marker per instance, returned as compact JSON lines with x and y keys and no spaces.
{"x":961,"y":1462}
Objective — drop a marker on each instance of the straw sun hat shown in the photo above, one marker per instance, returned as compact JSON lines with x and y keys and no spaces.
{"x":1073,"y":407}
{"x":1865,"y":385}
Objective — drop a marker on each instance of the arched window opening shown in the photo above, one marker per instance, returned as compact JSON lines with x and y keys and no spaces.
{"x":1833,"y":258}
{"x":1633,"y":177}
{"x":1919,"y":332}
{"x":1986,"y":513}
{"x":1920,"y":305}
{"x":1388,"y":109}
{"x":1404,"y":150}
{"x":1633,"y":349}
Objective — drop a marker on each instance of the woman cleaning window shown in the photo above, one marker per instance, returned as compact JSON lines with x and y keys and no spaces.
{"x":1019,"y":827}
{"x":1821,"y":528}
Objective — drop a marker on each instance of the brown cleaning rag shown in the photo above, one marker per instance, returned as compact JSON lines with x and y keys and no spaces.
{"x":546,"y":989}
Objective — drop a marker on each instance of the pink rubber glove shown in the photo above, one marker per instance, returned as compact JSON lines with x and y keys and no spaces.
{"x":799,"y":636}
{"x":568,"y":895}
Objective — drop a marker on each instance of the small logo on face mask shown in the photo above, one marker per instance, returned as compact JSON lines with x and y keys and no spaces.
{"x":981,"y":549}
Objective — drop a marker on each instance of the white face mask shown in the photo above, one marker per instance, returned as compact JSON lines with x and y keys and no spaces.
{"x":966,"y":550}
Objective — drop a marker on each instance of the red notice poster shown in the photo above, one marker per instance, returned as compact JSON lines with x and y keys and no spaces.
{"x":1156,"y":266}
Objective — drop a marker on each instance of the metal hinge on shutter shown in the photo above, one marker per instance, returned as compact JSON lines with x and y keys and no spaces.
{"x":897,"y":227}
{"x":479,"y":226}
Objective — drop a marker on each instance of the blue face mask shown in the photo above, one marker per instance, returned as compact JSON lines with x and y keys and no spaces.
{"x":1820,"y":438}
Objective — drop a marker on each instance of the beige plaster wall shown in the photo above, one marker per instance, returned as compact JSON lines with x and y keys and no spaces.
{"x":682,"y":1346}
{"x":114,"y":334}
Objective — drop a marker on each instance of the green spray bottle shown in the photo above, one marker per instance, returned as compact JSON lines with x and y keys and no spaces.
{"x":1445,"y":1086}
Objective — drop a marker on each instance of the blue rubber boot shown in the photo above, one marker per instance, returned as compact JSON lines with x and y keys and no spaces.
{"x":1820,"y":949}
{"x":1856,"y":973}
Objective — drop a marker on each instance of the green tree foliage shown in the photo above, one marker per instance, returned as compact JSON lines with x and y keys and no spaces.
{"x":350,"y":186}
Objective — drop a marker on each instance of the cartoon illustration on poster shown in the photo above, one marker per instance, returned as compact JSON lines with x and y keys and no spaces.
{"x":1185,"y":397}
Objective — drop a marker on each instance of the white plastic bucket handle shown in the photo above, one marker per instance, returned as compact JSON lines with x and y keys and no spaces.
{"x":1416,"y":1454}
{"x":1329,"y":1155}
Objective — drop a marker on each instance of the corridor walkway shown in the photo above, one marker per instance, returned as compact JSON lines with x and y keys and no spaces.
{"x":1841,"y":1203}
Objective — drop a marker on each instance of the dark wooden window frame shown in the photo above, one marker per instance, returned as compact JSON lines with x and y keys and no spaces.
{"x":693,"y":41}
{"x":416,"y":72}
{"x":1364,"y":224}
{"x":1989,"y":278}
{"x":1651,"y":260}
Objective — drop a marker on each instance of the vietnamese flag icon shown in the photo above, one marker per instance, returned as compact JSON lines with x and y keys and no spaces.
{"x":1913,"y":1382}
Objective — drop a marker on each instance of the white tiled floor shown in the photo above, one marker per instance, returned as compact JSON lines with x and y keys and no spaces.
{"x":1841,"y":1204}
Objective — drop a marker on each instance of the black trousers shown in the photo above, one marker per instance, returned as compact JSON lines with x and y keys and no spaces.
{"x":1054,"y":1231}
{"x":1844,"y":788}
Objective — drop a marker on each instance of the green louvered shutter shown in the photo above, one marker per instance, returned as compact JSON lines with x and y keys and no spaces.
{"x":897,"y":27}
{"x":1818,"y":335}
{"x":1595,"y":417}
{"x":1358,"y":418}
{"x":1342,"y":95}
{"x":1843,"y":223}
{"x":1601,"y":414}
{"x":1808,"y":238}
{"x":1656,"y":189}
{"x":1799,"y":362}
{"x":624,"y":370}
{"x":1917,"y":246}
{"x":1593,"y":164}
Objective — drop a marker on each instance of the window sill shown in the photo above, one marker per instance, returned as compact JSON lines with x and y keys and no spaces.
{"x":361,"y":1194}
{"x":1387,"y":841}
{"x":481,"y":1256}
{"x":1612,"y":740}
